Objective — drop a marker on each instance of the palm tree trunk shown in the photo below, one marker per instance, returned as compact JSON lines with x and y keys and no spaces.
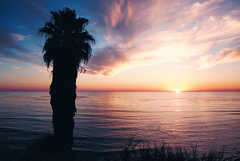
{"x":63,"y":95}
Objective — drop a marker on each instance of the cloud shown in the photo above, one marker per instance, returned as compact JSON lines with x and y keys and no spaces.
{"x":9,"y":41}
{"x":157,"y":31}
{"x":41,"y":69}
{"x":10,"y":49}
{"x":19,"y":37}
{"x":218,"y":28}
{"x":106,"y":59}
{"x":138,"y":32}
{"x":14,"y":67}
{"x":32,"y":58}
{"x":124,"y":19}
{"x":222,"y":57}
{"x":27,"y":14}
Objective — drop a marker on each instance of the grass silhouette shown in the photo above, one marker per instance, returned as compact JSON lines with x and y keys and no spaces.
{"x":142,"y":151}
{"x":45,"y":149}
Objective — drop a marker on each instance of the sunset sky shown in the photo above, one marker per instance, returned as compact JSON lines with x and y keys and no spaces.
{"x":140,"y":44}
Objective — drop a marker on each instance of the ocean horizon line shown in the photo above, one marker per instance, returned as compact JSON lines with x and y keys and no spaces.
{"x":79,"y":90}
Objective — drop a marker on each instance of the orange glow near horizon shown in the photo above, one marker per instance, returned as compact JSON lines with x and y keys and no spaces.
{"x":177,"y":90}
{"x":130,"y":81}
{"x":123,"y":81}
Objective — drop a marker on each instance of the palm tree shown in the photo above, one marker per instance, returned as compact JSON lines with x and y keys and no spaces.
{"x":66,"y":49}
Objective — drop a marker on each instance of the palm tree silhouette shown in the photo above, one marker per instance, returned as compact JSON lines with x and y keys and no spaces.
{"x":66,"y":49}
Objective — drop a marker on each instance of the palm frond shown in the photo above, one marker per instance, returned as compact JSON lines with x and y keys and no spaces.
{"x":67,"y":39}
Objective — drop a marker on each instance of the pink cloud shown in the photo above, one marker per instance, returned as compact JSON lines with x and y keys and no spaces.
{"x":157,"y":31}
{"x":115,"y":13}
{"x":222,"y":57}
{"x":14,"y":67}
{"x":19,"y":37}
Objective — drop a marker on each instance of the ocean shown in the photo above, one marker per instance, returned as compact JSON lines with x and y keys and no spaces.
{"x":106,"y":121}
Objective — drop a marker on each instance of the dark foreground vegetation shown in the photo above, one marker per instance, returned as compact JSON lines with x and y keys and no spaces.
{"x":144,"y":152}
{"x":45,"y":150}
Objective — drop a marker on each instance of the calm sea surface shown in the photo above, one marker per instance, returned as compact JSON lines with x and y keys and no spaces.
{"x":107,"y":120}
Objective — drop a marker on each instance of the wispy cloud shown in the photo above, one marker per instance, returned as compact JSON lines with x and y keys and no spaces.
{"x":137,"y":32}
{"x":11,"y":49}
{"x":19,"y":37}
{"x":9,"y":41}
{"x":222,"y":57}
{"x":164,"y":31}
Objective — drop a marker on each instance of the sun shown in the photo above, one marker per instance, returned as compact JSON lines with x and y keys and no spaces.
{"x":178,"y":90}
